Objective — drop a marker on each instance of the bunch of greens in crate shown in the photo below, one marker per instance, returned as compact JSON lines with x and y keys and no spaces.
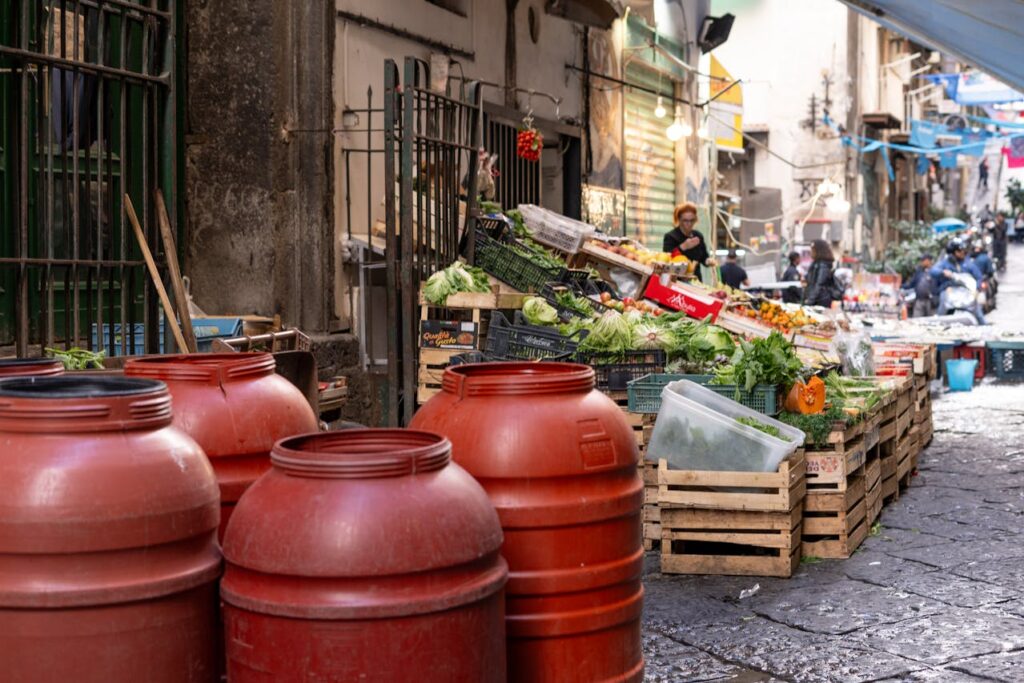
{"x":854,"y":396}
{"x":816,"y":426}
{"x":78,"y":359}
{"x":457,"y":277}
{"x":769,"y":360}
{"x":770,"y":430}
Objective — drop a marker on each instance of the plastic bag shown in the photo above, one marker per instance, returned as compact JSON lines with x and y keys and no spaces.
{"x":855,"y":351}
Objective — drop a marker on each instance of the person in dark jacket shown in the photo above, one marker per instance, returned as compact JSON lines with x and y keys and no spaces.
{"x":943,"y":271}
{"x":733,"y":273}
{"x":791,"y":295}
{"x":924,"y":287}
{"x":822,"y":287}
{"x":1000,"y":238}
{"x":684,"y":239}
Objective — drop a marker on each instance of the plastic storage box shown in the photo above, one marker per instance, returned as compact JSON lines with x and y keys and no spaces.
{"x":556,"y":230}
{"x":697,"y":430}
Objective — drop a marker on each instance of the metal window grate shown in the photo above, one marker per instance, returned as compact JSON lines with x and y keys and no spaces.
{"x":87,"y":113}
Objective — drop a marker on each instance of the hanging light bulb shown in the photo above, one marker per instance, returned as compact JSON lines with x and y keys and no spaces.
{"x":675,"y":131}
{"x":702,"y":132}
{"x":659,"y":110}
{"x":837,"y":204}
{"x":687,"y":129}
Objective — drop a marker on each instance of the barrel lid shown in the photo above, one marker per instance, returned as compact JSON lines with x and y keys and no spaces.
{"x":10,"y":367}
{"x":71,"y":403}
{"x":207,"y":368}
{"x":508,"y":379}
{"x":362,"y":453}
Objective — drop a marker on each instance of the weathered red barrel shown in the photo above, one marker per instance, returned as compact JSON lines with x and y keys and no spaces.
{"x":235,"y":407}
{"x":108,"y":549}
{"x":37,"y":367}
{"x":558,"y":460}
{"x":364,"y":555}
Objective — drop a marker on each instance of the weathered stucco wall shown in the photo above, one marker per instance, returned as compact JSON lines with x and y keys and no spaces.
{"x":258,"y":198}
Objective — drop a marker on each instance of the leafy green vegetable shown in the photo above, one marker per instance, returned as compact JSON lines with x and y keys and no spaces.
{"x":816,"y":427}
{"x":539,"y":312}
{"x":612,"y":333}
{"x":519,"y":228}
{"x":78,"y":359}
{"x":651,"y":337}
{"x":488,"y":208}
{"x":455,"y":278}
{"x":770,"y":360}
{"x":770,"y":430}
{"x":571,"y":302}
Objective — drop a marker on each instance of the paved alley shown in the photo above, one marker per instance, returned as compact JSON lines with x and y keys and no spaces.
{"x":936,"y":593}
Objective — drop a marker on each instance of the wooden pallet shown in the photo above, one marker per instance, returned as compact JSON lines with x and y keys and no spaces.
{"x":730,"y":542}
{"x":777,"y":491}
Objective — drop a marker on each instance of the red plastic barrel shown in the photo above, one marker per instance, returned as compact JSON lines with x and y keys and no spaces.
{"x":37,"y":367}
{"x":558,"y":460}
{"x":364,"y":555}
{"x":235,"y":407}
{"x":108,"y":550}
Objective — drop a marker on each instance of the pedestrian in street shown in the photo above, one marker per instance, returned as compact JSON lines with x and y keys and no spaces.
{"x":791,"y":295}
{"x":924,"y":287}
{"x":684,"y":239}
{"x":983,"y":173}
{"x":822,"y":286}
{"x":1000,"y":236}
{"x":733,"y":273}
{"x":1018,"y":226}
{"x":981,"y":260}
{"x":943,"y":274}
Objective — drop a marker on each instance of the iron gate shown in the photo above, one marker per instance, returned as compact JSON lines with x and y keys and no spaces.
{"x":87,"y":114}
{"x":431,"y":143}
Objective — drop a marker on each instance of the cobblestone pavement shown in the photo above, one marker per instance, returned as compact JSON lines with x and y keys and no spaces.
{"x":937,"y":594}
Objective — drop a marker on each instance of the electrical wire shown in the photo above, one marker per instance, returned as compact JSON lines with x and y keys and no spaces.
{"x":766,"y":148}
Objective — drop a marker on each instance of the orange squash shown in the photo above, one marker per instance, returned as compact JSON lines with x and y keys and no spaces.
{"x":808,"y":398}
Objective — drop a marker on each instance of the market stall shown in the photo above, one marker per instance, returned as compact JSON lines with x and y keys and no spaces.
{"x":770,"y":432}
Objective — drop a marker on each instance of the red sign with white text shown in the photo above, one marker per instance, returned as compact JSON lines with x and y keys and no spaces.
{"x":693,"y":304}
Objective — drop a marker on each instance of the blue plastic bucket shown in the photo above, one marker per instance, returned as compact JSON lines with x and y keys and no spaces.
{"x":960,"y":372}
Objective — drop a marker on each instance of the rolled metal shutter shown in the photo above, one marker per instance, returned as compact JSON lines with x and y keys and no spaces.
{"x":650,"y":159}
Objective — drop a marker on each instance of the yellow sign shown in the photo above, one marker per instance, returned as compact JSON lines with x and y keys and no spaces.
{"x":726,"y":112}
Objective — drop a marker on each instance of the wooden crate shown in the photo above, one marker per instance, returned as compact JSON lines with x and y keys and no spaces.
{"x":641,"y":424}
{"x":735,"y":491}
{"x":833,"y":522}
{"x":730,"y":542}
{"x":432,"y":366}
{"x":873,"y":500}
{"x":904,"y":422}
{"x":830,"y":471}
{"x":872,"y":473}
{"x":651,"y":515}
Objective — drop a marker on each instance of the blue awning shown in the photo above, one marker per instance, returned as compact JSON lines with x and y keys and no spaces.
{"x":988,"y":35}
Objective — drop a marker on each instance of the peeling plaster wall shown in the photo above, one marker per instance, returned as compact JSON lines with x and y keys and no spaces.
{"x":259,"y":210}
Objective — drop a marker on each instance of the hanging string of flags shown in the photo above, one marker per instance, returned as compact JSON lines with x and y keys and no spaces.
{"x":926,"y":136}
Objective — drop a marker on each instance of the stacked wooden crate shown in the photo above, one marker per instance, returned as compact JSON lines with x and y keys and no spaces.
{"x":466,"y":308}
{"x":739,"y":523}
{"x":895,"y":452}
{"x":835,"y":512}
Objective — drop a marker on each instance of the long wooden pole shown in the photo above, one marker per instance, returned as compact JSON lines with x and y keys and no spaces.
{"x":155,"y":274}
{"x":180,"y":298}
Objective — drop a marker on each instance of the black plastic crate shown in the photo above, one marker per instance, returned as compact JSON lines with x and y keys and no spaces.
{"x":614,"y":371}
{"x":506,"y":263}
{"x":1006,"y":360}
{"x":527,"y":342}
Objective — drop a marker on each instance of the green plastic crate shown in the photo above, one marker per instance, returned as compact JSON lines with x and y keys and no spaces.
{"x":645,"y":393}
